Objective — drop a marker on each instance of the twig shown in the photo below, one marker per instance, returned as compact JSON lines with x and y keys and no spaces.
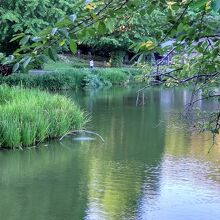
{"x":217,"y":126}
{"x":85,"y":131}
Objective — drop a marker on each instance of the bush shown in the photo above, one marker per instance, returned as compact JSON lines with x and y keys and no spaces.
{"x":28,"y":117}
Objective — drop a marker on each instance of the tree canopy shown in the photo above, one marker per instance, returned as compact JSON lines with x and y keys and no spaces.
{"x":29,"y":17}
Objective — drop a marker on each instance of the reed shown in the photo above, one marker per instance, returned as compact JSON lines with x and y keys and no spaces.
{"x":28,"y":117}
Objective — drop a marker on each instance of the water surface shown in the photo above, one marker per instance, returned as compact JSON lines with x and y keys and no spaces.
{"x":149,"y":167}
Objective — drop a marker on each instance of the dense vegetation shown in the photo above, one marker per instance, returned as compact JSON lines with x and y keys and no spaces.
{"x":139,"y":26}
{"x":29,"y":17}
{"x":28,"y":117}
{"x":73,"y":78}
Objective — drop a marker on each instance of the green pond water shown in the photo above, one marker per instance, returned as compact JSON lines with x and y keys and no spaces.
{"x":149,"y":167}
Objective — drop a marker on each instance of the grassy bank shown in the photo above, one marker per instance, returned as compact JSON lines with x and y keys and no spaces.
{"x":28,"y":117}
{"x":73,"y":78}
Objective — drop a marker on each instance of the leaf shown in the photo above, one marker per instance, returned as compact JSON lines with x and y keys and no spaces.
{"x":15,"y":67}
{"x":94,"y":16}
{"x":133,"y":3}
{"x":63,"y":23}
{"x":101,"y":27}
{"x":62,"y":42}
{"x":26,"y":62}
{"x":110,"y":25}
{"x":53,"y":31}
{"x":150,"y":9}
{"x":198,"y":4}
{"x":73,"y":46}
{"x":36,"y":39}
{"x":140,"y":58}
{"x":72,"y":17}
{"x":43,"y":58}
{"x":52,"y":54}
{"x":24,"y":40}
{"x":64,"y":32}
{"x":91,"y":32}
{"x":180,"y":27}
{"x":17,"y":37}
{"x":82,"y":35}
{"x":11,"y":58}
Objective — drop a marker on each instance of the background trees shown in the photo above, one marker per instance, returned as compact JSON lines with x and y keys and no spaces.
{"x":129,"y":29}
{"x":29,"y":17}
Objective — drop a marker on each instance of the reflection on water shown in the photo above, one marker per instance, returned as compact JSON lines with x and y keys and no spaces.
{"x":146,"y":169}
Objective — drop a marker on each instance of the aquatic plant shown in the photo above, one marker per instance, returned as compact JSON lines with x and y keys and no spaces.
{"x":28,"y":117}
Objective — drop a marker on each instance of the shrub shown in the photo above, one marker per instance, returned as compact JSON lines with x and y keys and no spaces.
{"x":28,"y":117}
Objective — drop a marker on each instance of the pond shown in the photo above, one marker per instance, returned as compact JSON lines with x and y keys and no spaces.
{"x":149,"y":167}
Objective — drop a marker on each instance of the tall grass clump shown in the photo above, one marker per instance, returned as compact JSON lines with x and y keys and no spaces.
{"x":53,"y":81}
{"x":116,"y":76}
{"x":28,"y":117}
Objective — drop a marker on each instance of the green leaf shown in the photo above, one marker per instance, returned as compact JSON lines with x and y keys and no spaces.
{"x":133,"y":3}
{"x":73,"y":46}
{"x":91,"y":32}
{"x":150,"y":9}
{"x":198,"y":4}
{"x":64,"y":32}
{"x":17,"y":37}
{"x":43,"y":58}
{"x":140,"y":58}
{"x":101,"y":27}
{"x":94,"y":16}
{"x":63,"y":23}
{"x":180,"y":27}
{"x":26,"y":62}
{"x":52,"y":54}
{"x":15,"y":67}
{"x":24,"y":40}
{"x":110,"y":25}
{"x":62,"y":42}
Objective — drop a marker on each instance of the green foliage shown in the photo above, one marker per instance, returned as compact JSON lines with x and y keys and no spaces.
{"x":73,"y":78}
{"x":28,"y":117}
{"x":115,"y":76}
{"x":117,"y":58}
{"x":142,"y":26}
{"x":65,"y":63}
{"x":92,"y":81}
{"x":29,"y":17}
{"x":85,"y":20}
{"x":132,"y":28}
{"x":67,"y":79}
